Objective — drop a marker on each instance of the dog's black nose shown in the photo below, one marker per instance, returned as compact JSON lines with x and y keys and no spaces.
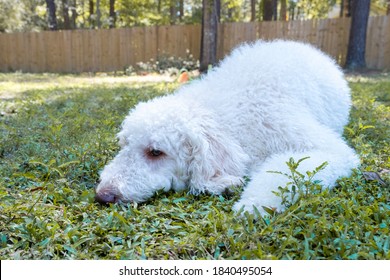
{"x":106,"y":197}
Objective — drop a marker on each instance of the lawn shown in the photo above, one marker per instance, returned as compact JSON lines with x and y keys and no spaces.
{"x":58,"y":131}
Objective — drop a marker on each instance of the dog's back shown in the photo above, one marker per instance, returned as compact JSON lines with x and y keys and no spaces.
{"x":269,"y":74}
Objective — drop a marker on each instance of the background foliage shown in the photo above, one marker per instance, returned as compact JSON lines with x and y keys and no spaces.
{"x":31,"y":15}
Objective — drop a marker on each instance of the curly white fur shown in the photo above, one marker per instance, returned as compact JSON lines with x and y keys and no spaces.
{"x":263,"y":104}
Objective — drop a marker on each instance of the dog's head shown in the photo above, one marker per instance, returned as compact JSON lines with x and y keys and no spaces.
{"x":166,"y":144}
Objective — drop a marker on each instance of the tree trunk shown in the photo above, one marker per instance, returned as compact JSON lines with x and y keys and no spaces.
{"x":112,"y":14}
{"x":51,"y":12}
{"x":65,"y":13}
{"x":291,"y":13}
{"x":388,"y":7}
{"x":74,"y":15}
{"x":210,"y":19}
{"x":91,"y":12}
{"x":172,"y":11}
{"x":253,"y":10}
{"x":181,"y":10}
{"x":360,"y":10}
{"x":268,"y":8}
{"x":275,"y":9}
{"x":98,"y":14}
{"x":283,"y":10}
{"x":345,"y":8}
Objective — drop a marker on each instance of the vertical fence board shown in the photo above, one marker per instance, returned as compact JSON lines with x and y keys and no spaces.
{"x":376,"y":39}
{"x":88,"y":52}
{"x":380,"y":55}
{"x":113,"y":50}
{"x":85,"y":58}
{"x":3,"y":49}
{"x":386,"y":45}
{"x":8,"y":52}
{"x":370,"y":43}
{"x":346,"y":22}
{"x":150,"y":43}
{"x":125,"y":48}
{"x":34,"y":62}
{"x":195,"y":40}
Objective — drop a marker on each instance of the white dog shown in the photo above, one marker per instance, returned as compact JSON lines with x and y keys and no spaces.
{"x":265,"y":103}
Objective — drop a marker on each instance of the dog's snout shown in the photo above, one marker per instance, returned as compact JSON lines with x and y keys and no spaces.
{"x":106,"y":197}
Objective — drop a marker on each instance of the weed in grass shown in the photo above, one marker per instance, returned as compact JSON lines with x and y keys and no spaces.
{"x":300,"y":186}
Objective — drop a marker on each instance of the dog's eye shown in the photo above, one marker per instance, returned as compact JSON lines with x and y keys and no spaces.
{"x":154,"y":153}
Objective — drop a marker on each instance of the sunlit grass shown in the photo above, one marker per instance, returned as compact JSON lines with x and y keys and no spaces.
{"x":58,"y":131}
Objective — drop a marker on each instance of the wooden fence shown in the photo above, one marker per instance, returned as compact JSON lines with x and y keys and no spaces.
{"x":115,"y":49}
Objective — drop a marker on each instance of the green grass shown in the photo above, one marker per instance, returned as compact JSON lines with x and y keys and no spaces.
{"x":57,"y":132}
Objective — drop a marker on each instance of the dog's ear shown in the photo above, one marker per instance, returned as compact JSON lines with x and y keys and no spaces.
{"x":216,"y":162}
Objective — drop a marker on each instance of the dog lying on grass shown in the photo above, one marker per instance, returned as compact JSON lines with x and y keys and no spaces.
{"x":263,"y":104}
